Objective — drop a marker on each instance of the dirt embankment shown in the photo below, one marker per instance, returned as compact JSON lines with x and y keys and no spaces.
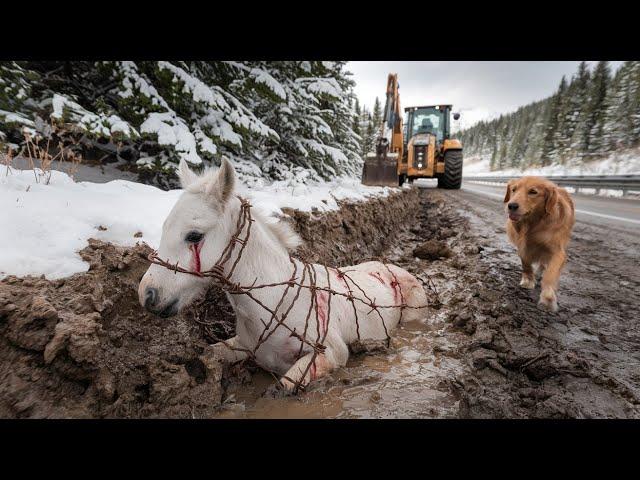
{"x":83,"y":347}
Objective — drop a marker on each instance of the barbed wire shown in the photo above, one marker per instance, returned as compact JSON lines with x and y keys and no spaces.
{"x":308,"y":273}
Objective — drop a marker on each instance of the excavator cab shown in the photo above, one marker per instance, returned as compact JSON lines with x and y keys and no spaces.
{"x":418,"y":147}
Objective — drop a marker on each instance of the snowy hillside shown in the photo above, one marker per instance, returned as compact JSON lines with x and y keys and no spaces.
{"x":591,"y":117}
{"x":44,"y":226}
{"x":626,"y":162}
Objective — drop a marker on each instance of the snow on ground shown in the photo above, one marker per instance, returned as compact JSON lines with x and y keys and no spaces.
{"x":42,"y":227}
{"x":622,"y":163}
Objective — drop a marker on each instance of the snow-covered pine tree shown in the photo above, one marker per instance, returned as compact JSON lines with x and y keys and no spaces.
{"x":377,"y":115}
{"x":580,"y":112}
{"x":278,"y":119}
{"x":618,"y":121}
{"x":596,"y":143}
{"x":357,"y":118}
{"x":634,"y":102}
{"x":551,"y":147}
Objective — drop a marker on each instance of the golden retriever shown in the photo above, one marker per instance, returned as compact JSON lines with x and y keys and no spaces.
{"x":541,"y":216}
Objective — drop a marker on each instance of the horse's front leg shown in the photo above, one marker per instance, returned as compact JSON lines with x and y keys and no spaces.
{"x":335,"y":355}
{"x":230,"y":351}
{"x":296,"y":375}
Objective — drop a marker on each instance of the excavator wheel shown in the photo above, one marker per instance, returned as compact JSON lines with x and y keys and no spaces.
{"x":452,"y":177}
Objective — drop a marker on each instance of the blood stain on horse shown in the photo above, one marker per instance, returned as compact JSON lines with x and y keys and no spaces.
{"x":195,"y":256}
{"x":323,"y":298}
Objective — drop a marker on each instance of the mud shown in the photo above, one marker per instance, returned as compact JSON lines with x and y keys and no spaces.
{"x":484,"y":348}
{"x":83,"y":347}
{"x":583,"y":361}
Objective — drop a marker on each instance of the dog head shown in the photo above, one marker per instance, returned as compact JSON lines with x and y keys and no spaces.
{"x":530,"y":196}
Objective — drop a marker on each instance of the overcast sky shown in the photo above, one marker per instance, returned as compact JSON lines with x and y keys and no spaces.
{"x":478,"y":90}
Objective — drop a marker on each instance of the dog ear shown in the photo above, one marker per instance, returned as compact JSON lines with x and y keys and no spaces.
{"x":552,"y":199}
{"x":507,"y":195}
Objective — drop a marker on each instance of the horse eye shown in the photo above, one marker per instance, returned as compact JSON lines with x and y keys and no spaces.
{"x":193,"y":237}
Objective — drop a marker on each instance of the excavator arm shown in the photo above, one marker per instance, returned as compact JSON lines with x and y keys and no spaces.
{"x":381,"y":168}
{"x":391,"y":128}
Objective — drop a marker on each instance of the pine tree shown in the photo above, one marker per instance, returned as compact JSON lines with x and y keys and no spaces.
{"x":377,"y":115}
{"x":273,"y":119}
{"x":596,"y":142}
{"x":580,"y":112}
{"x":551,"y":147}
{"x":357,"y":118}
{"x":634,"y":103}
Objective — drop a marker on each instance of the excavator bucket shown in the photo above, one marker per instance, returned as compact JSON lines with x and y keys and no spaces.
{"x":380,"y":170}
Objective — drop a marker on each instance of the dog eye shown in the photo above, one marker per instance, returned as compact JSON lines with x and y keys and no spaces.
{"x":193,"y":237}
{"x":532,"y":192}
{"x":513,"y":189}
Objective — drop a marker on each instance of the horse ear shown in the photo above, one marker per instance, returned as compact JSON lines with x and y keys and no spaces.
{"x":224,"y":183}
{"x":185,"y":174}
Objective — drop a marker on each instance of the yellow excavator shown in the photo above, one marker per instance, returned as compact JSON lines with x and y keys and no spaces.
{"x":418,"y":147}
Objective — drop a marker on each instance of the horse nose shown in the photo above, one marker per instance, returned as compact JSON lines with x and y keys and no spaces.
{"x":150,"y":297}
{"x":513,"y":206}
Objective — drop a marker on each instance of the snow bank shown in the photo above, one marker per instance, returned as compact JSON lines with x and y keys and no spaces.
{"x":42,"y":227}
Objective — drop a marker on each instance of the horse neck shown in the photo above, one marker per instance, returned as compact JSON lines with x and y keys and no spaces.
{"x":263,"y":257}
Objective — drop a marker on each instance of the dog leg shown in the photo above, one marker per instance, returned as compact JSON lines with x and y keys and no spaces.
{"x":528,"y":278}
{"x":550,"y":278}
{"x":228,"y":352}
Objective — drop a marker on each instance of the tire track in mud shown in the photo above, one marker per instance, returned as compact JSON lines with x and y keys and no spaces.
{"x":417,"y":377}
{"x":82,"y":346}
{"x":582,"y":362}
{"x":487,"y":350}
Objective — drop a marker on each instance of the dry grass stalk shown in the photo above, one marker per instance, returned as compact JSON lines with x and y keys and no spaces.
{"x":41,"y":160}
{"x":7,"y":160}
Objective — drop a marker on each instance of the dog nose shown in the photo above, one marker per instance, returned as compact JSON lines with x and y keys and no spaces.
{"x":513,"y":206}
{"x":150,"y":297}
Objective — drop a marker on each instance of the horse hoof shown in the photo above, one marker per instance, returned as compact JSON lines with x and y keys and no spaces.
{"x":277,"y":390}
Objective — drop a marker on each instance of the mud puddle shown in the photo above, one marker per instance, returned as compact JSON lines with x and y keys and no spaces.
{"x":415,"y":377}
{"x":83,"y":347}
{"x":407,"y":382}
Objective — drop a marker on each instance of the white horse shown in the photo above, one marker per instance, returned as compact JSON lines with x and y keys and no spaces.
{"x":198,"y":229}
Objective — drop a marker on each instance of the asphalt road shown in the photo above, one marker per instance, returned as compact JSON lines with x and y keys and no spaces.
{"x":618,"y":213}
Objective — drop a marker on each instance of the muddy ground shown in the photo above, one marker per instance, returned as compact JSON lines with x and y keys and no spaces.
{"x":485,"y":349}
{"x":82,"y":347}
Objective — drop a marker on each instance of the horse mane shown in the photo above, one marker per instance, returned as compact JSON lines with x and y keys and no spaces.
{"x":281,"y":230}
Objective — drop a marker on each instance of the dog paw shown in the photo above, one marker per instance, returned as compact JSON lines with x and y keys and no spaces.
{"x":548,"y":301}
{"x":528,"y":282}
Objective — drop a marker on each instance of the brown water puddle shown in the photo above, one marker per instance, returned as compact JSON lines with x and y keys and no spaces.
{"x":408,"y":381}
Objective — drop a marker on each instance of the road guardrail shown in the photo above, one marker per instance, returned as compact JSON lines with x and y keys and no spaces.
{"x":626,"y":183}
